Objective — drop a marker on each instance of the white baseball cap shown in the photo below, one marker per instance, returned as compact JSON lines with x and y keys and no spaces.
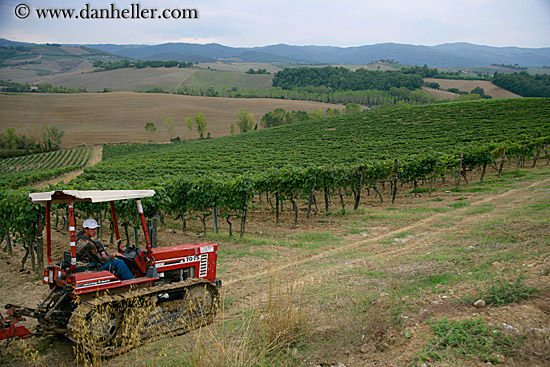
{"x":90,"y":223}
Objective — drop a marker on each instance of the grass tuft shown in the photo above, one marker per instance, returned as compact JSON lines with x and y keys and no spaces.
{"x":503,"y":293}
{"x":469,"y":339}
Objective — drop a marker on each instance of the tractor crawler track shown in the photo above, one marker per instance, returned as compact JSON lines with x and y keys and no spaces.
{"x":195,"y":305}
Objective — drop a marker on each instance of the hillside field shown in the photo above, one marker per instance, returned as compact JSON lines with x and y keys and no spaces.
{"x":141,"y":80}
{"x":121,"y":116}
{"x":331,"y":142}
{"x":467,"y":85}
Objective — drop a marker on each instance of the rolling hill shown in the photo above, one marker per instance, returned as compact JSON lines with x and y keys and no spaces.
{"x":445,"y":55}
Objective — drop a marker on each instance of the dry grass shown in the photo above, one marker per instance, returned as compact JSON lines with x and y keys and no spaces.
{"x":121,"y":116}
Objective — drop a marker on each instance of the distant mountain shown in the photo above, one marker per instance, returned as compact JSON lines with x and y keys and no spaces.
{"x":445,"y":55}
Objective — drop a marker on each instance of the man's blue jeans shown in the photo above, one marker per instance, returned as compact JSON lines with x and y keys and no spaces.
{"x":119,"y":268}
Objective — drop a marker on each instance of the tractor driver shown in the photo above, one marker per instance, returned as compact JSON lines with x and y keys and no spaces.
{"x":94,"y":252}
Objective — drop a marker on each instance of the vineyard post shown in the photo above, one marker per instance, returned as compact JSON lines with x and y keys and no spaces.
{"x":215,"y":219}
{"x":100,"y":230}
{"x":342,"y":200}
{"x":536,"y":157}
{"x":154,"y":242}
{"x":310,"y":201}
{"x":432,"y":177}
{"x":394,"y":184}
{"x":459,"y":173}
{"x":521,"y":155}
{"x":243,"y":217}
{"x":8,"y":244}
{"x":359,"y":188}
{"x":277,"y":207}
{"x":502,"y":162}
{"x":326,"y":199}
{"x":136,"y":237}
{"x":295,"y":207}
{"x":39,"y":247}
{"x":375,"y":187}
{"x":230,"y":225}
{"x":484,"y":169}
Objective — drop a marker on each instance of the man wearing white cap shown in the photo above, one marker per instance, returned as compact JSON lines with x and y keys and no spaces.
{"x":94,"y":252}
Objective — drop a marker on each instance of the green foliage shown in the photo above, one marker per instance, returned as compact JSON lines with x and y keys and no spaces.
{"x":200,"y":123}
{"x":502,"y":293}
{"x":469,"y":339}
{"x":275,"y":118}
{"x":334,"y":154}
{"x":41,"y":138}
{"x":125,"y":64}
{"x":259,"y":71}
{"x":524,"y":84}
{"x":352,"y":108}
{"x":12,"y":87}
{"x":24,"y":170}
{"x":157,"y":89}
{"x":189,"y":124}
{"x":150,"y":127}
{"x":340,"y":78}
{"x":168,"y":122}
{"x":245,"y":120}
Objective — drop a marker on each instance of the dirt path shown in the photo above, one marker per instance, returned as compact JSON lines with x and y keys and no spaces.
{"x":95,"y":157}
{"x":422,"y":226}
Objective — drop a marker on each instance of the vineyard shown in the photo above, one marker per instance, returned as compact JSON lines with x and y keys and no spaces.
{"x":341,"y":160}
{"x":25,"y":170}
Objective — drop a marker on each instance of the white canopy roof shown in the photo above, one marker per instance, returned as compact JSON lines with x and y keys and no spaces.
{"x":95,"y":196}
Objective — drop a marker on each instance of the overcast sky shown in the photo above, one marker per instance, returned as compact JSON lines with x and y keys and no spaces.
{"x":523,"y":23}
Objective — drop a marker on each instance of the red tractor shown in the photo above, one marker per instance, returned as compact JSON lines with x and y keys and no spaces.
{"x":178,"y":283}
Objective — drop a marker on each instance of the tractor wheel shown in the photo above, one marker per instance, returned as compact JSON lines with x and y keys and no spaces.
{"x":103,"y":324}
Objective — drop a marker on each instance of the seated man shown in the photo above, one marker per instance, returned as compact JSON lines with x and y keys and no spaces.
{"x":94,"y":252}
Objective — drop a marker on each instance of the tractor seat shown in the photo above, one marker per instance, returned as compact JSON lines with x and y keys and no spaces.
{"x":65,"y":264}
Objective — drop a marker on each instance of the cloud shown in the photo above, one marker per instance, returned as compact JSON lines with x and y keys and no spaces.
{"x":321,"y":22}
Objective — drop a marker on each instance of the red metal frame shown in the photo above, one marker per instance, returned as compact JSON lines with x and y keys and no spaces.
{"x":115,"y":225}
{"x":49,"y":233}
{"x":145,"y":231}
{"x":73,"y":235}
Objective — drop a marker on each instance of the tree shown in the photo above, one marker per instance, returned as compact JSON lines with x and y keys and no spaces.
{"x":316,"y":114}
{"x":478,"y":90}
{"x":330,"y":112}
{"x":169,"y":124}
{"x":50,"y":137}
{"x":200,"y":122}
{"x":189,"y":124}
{"x":246,"y":120}
{"x":274,"y":118}
{"x":352,"y":108}
{"x":150,"y":127}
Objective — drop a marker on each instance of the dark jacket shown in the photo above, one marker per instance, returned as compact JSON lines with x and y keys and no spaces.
{"x":90,"y":251}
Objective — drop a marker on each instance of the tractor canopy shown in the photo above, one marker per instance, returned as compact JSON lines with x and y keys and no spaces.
{"x":95,"y":196}
{"x":71,"y":197}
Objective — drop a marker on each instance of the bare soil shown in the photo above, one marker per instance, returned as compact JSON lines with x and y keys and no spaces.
{"x":121,"y":116}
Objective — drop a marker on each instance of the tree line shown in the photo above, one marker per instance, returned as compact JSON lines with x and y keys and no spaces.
{"x":40,"y":138}
{"x":524,"y":84}
{"x":12,"y":87}
{"x":139,"y":64}
{"x":340,"y":78}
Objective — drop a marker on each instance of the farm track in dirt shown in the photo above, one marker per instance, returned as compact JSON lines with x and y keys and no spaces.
{"x":426,"y":236}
